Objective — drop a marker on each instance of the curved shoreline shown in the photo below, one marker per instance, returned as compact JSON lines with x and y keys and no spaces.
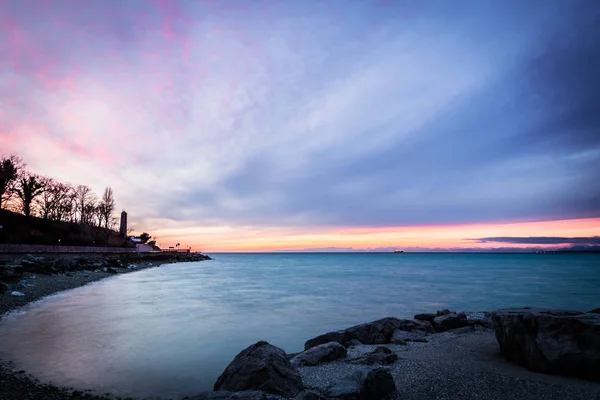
{"x":18,"y":384}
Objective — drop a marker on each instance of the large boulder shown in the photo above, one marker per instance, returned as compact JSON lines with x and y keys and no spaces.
{"x":425,"y":317}
{"x":376,"y":332}
{"x":380,"y":356}
{"x":245,"y":395}
{"x":319,"y":354}
{"x":595,"y":311}
{"x":447,"y":321}
{"x":377,"y":384}
{"x":550,"y":341}
{"x":401,"y":337}
{"x":261,"y":366}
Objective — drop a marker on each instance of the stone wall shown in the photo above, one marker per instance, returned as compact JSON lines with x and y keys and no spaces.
{"x":32,"y":248}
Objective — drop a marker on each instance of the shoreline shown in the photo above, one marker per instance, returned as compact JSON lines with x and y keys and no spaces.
{"x":18,"y":384}
{"x":456,"y":362}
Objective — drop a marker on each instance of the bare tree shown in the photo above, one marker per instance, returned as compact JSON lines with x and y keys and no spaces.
{"x":10,"y":168}
{"x":85,"y":203}
{"x":56,"y":201}
{"x":30,"y":186}
{"x":106,"y":208}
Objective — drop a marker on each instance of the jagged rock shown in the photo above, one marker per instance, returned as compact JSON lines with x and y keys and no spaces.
{"x":320,"y":354}
{"x":310,"y":395}
{"x":245,"y":395}
{"x":445,"y":322}
{"x":380,"y":356}
{"x":401,"y":337}
{"x":425,"y":317}
{"x":550,"y":341}
{"x":445,"y":311}
{"x":376,"y":332}
{"x":479,"y":318}
{"x":261,"y":366}
{"x":377,"y":384}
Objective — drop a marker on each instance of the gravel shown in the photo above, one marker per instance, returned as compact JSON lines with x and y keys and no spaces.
{"x":457,"y":366}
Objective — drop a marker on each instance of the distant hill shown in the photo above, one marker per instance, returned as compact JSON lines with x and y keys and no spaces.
{"x":19,"y":229}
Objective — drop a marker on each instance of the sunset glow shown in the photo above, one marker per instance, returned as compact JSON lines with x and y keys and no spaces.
{"x":258,"y":126}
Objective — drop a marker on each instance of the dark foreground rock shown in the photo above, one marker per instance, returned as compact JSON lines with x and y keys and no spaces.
{"x":319,"y":354}
{"x":310,"y":395}
{"x":261,"y":366}
{"x":380,"y":356}
{"x":245,"y":395}
{"x":377,"y":384}
{"x":449,"y":320}
{"x":401,"y":337}
{"x":555,"y":342}
{"x":376,"y":332}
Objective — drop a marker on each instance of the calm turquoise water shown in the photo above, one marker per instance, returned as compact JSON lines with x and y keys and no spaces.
{"x":170,"y":331}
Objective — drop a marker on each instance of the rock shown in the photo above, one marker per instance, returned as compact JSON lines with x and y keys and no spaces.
{"x":550,"y":341}
{"x":17,"y":294}
{"x":401,"y":337}
{"x":444,"y":312}
{"x":320,"y":354}
{"x":261,"y":366}
{"x":3,"y":287}
{"x":380,"y":356}
{"x":310,"y":395}
{"x":110,"y":270}
{"x":595,"y":311}
{"x":449,"y":321}
{"x":377,"y":384}
{"x":352,"y":342}
{"x":479,"y":318}
{"x":348,"y":387}
{"x":9,"y":274}
{"x":464,"y":329}
{"x":376,"y":332}
{"x":425,"y":317}
{"x":245,"y":395}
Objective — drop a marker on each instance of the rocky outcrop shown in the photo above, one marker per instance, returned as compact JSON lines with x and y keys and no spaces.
{"x":380,"y":356}
{"x":550,"y":341}
{"x":376,"y":332}
{"x":425,"y":317}
{"x":377,"y":384}
{"x":449,"y":320}
{"x":594,"y":311}
{"x":245,"y":395}
{"x":264,"y":367}
{"x":401,"y":337}
{"x":319,"y":354}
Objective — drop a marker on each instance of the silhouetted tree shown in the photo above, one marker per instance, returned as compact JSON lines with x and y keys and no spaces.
{"x":106,"y":207}
{"x":9,"y":173}
{"x":29,"y":187}
{"x":85,"y":203}
{"x":144,"y":237}
{"x":56,"y":202}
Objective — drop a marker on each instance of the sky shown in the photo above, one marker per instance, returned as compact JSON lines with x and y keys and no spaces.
{"x":268,"y":125}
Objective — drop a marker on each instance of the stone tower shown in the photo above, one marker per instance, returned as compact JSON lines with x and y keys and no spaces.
{"x":123,"y":229}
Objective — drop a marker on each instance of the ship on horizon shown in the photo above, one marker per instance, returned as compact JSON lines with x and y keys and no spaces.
{"x":398,"y":251}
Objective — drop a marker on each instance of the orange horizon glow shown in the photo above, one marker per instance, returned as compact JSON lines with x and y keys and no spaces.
{"x":253,"y":239}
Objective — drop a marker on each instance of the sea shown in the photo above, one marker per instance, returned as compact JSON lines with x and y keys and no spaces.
{"x":169,"y":332}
